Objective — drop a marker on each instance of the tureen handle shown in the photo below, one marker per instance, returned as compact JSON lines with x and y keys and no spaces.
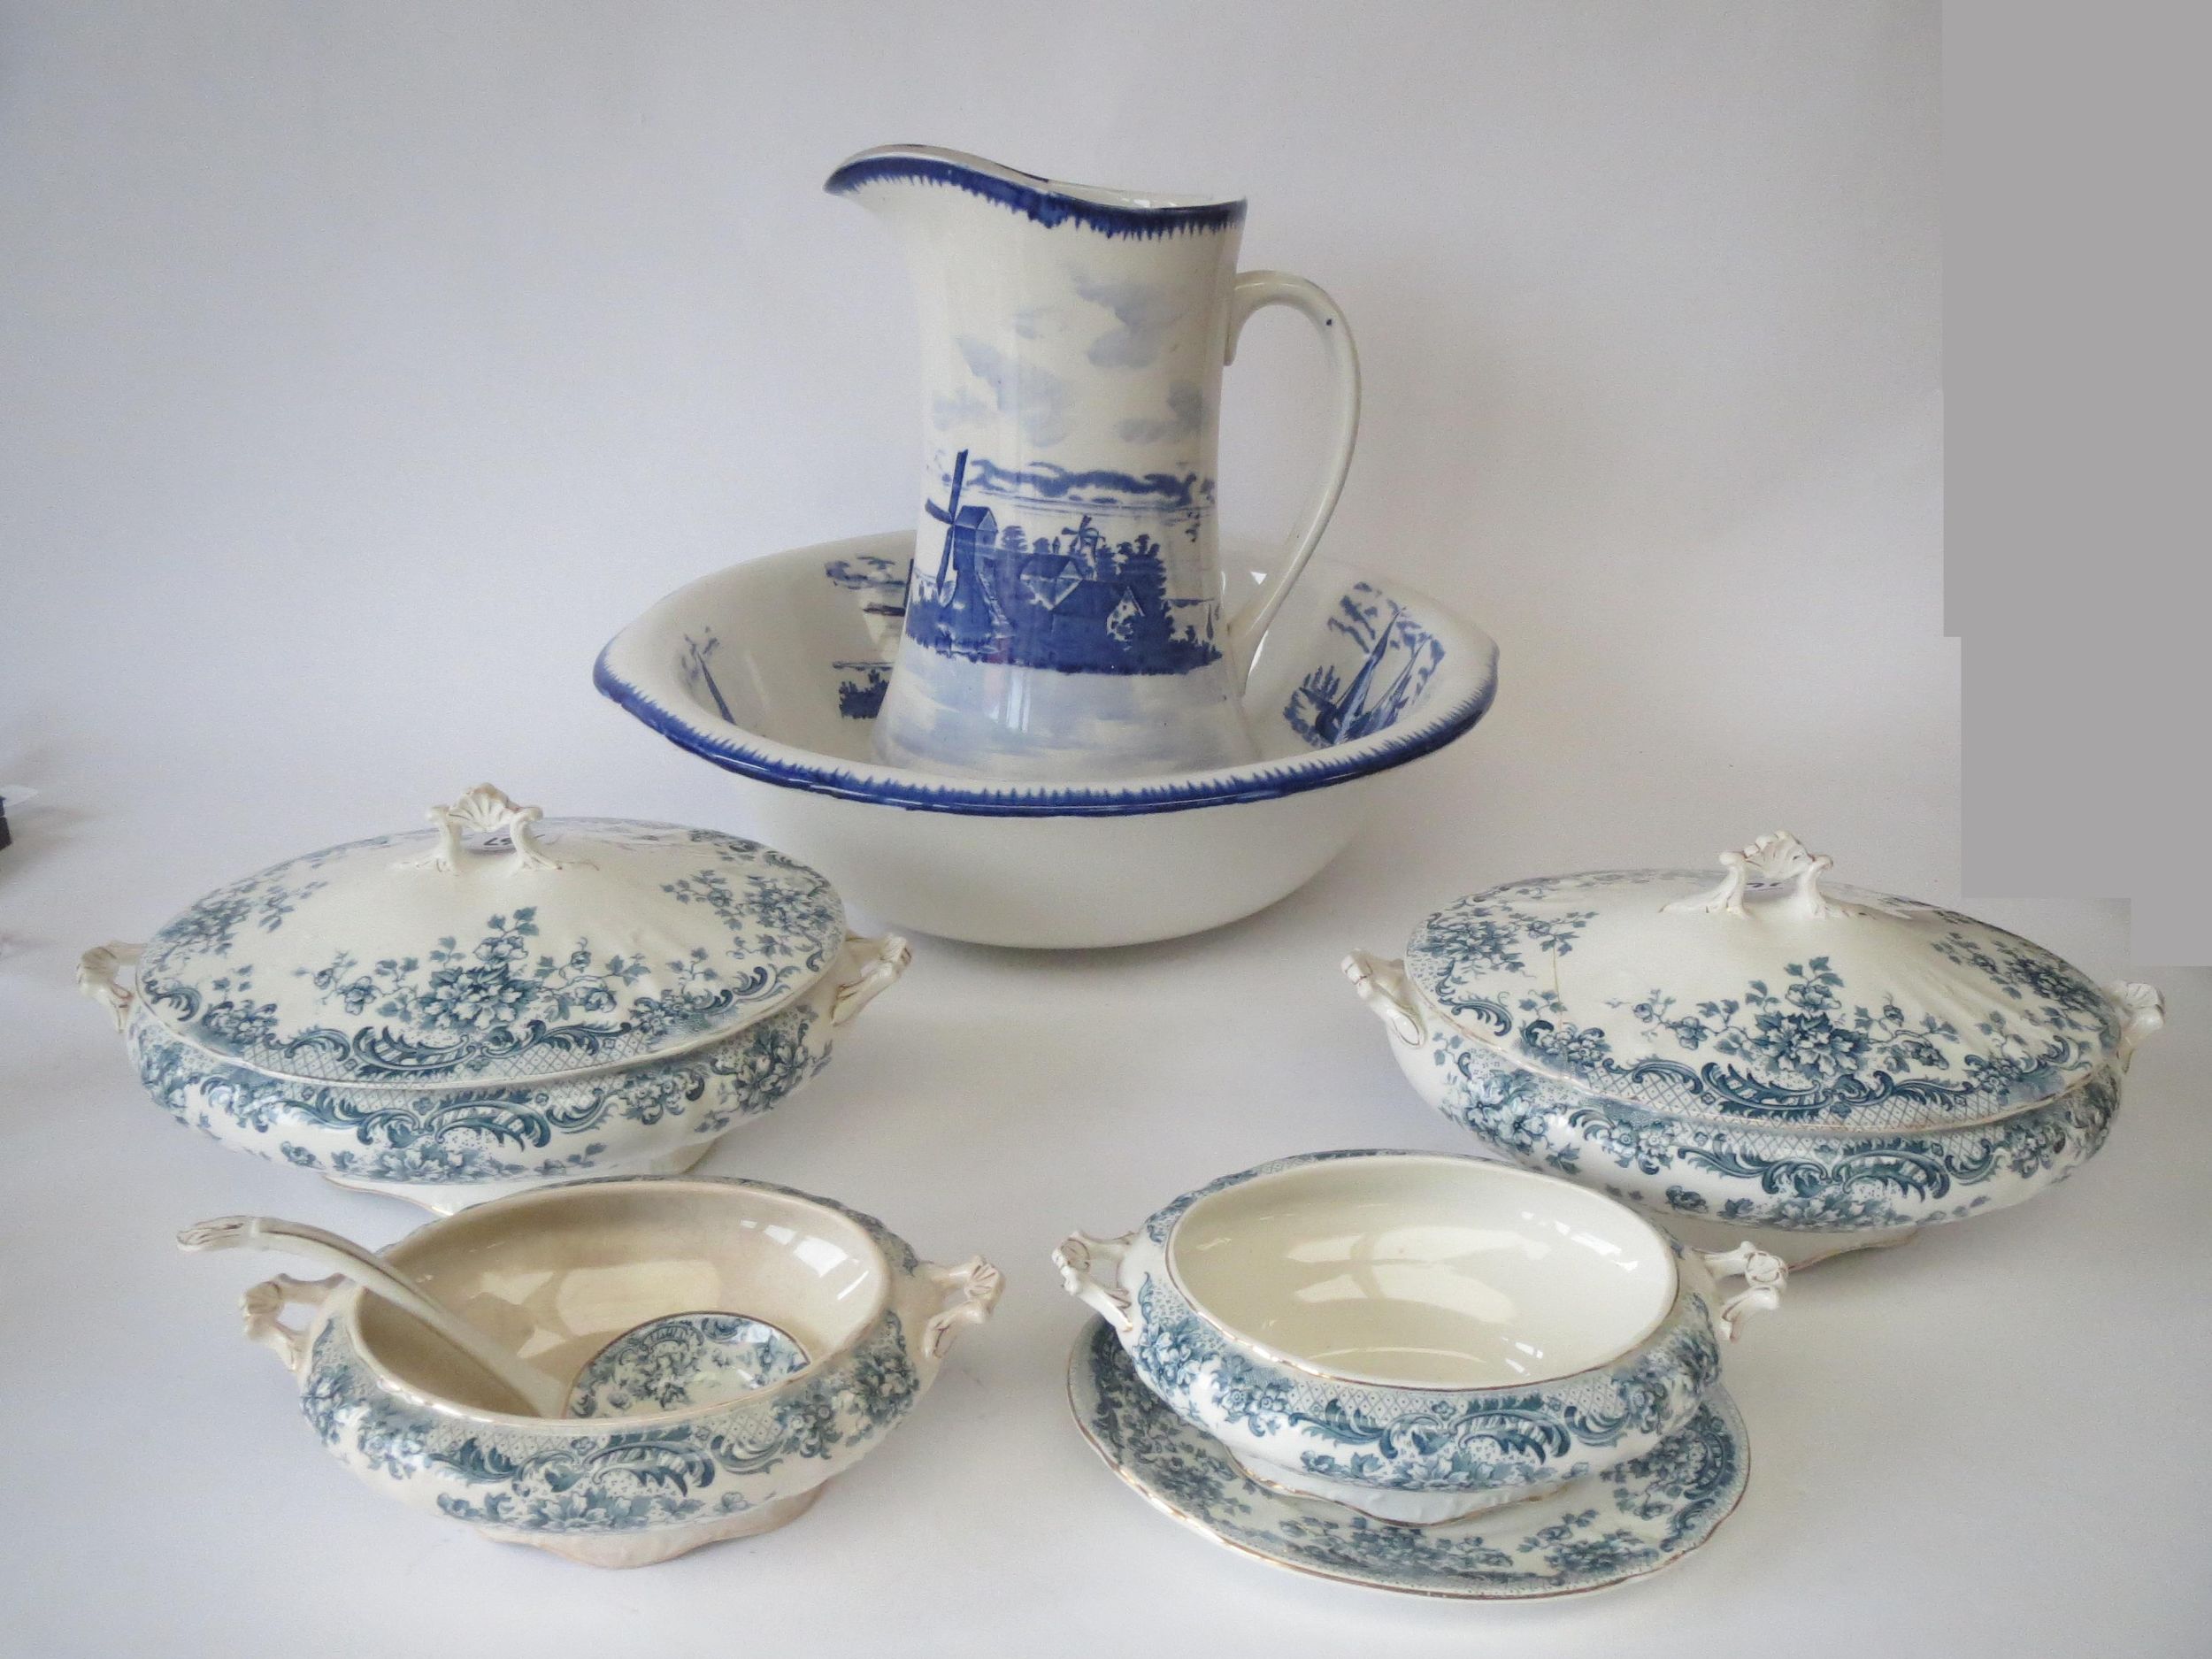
{"x":100,"y":976}
{"x":970,"y":1291}
{"x":1091,"y":1270}
{"x":2142,"y":1013}
{"x":1779,"y":856}
{"x":1763,"y":1274}
{"x":264,"y":1305}
{"x":489,"y":809}
{"x":1382,"y":986}
{"x":870,"y":967}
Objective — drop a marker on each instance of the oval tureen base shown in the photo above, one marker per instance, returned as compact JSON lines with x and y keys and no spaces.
{"x":1796,"y":1248}
{"x":1605,"y":1529}
{"x":664,"y":1543}
{"x":447,"y":1198}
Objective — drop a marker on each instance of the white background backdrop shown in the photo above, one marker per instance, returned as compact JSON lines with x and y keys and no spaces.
{"x":367,"y":366}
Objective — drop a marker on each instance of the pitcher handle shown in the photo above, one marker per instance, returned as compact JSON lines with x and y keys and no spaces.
{"x":1254,"y":289}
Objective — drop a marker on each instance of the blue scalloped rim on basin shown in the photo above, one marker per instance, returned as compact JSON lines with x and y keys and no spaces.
{"x":1265,"y":783}
{"x":1033,"y":198}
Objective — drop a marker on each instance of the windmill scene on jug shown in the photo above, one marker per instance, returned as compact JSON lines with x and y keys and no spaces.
{"x":1042,"y":567}
{"x":1335,"y":703}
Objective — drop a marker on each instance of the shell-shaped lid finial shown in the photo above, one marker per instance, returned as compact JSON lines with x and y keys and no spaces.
{"x":1771,"y":996}
{"x":500,"y":946}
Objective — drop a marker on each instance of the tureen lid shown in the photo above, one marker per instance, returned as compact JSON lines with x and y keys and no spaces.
{"x":1769,"y":995}
{"x":549,"y":946}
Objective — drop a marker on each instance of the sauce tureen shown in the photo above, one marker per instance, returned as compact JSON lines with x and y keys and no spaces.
{"x":1416,"y":1337}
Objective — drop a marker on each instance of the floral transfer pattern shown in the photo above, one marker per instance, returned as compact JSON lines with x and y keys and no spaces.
{"x":686,"y":1359}
{"x":561,"y":1479}
{"x":1629,"y":1520}
{"x":1763,"y":1176}
{"x":1803,"y":1045}
{"x":474,"y":1135}
{"x":1451,"y":1441}
{"x":506,"y":998}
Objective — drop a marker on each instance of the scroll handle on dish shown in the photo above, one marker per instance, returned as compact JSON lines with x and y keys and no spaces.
{"x":1091,"y":1270}
{"x":873,"y":966}
{"x":970,"y":1290}
{"x":2142,"y":1013}
{"x":1763,"y":1275}
{"x":1382,"y":986}
{"x":100,"y":976}
{"x":264,"y":1305}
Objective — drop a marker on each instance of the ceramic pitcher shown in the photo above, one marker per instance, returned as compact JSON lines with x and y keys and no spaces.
{"x":1065,"y":610}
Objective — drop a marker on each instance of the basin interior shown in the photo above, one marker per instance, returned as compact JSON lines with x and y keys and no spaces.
{"x":1418,"y":1271}
{"x":798,"y":647}
{"x":555,"y":1276}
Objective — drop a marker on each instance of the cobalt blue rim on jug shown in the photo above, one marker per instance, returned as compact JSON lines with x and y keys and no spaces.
{"x":1046,"y":201}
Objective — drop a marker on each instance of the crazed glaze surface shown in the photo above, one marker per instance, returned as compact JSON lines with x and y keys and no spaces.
{"x":650,"y":1483}
{"x":1630,"y":1520}
{"x":1767,"y":1052}
{"x":409,"y":1013}
{"x":1372,"y":1443}
{"x":1064,"y":618}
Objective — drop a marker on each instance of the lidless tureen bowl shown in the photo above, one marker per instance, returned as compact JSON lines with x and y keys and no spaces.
{"x":1413,"y":1336}
{"x":505,"y":1000}
{"x":775,"y":669}
{"x":726,"y":1346}
{"x":1818,"y":1068}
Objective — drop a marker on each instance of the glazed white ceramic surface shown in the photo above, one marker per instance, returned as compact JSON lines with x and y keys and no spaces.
{"x":1421,"y":1273}
{"x":503,"y":1000}
{"x":1767,"y":1051}
{"x":1626,"y":1523}
{"x":566,"y":1275}
{"x":772,"y":670}
{"x":1065,"y":618}
{"x":1416,"y":1337}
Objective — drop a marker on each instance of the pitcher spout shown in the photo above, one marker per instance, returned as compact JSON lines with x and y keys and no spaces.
{"x":874,"y":179}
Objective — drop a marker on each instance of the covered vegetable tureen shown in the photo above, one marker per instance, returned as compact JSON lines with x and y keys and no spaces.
{"x":446,"y":1018}
{"x":1766,"y":1052}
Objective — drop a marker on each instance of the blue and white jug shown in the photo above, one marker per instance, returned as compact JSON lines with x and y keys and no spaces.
{"x":1064,"y":615}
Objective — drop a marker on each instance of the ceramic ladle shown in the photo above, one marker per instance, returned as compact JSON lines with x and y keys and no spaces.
{"x":544,"y":1397}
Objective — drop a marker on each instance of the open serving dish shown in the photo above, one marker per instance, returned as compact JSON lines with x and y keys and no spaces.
{"x":727,"y":1347}
{"x":1415,"y":1338}
{"x":775,"y":669}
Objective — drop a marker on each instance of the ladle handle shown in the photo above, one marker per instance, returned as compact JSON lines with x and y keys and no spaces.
{"x":296,"y":1238}
{"x":1253,"y":290}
